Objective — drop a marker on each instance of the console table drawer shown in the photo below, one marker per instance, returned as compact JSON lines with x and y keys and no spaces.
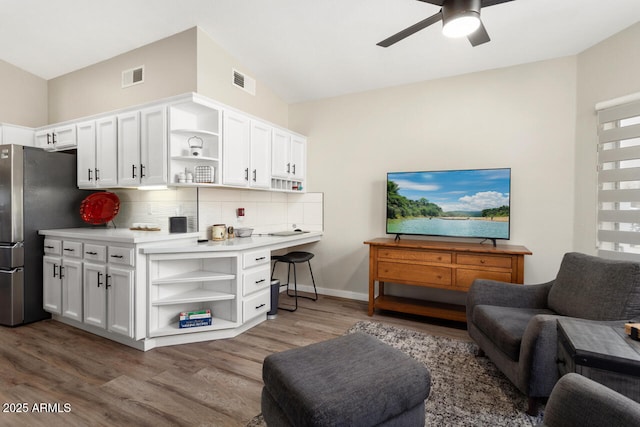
{"x":465,"y":277}
{"x":413,"y":256}
{"x":414,"y":273}
{"x":484,"y":260}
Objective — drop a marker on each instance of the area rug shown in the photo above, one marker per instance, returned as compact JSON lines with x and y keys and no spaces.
{"x":465,"y":390}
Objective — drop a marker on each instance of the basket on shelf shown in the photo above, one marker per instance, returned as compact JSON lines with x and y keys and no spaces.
{"x":204,"y":174}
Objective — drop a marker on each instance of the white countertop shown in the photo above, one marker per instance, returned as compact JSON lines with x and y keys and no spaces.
{"x":124,"y":235}
{"x":241,"y":244}
{"x":120,"y":235}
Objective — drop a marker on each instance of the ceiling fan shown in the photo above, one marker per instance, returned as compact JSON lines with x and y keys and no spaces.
{"x":459,"y":18}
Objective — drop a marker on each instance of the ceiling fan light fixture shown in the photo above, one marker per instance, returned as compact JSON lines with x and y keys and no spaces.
{"x":461,"y":24}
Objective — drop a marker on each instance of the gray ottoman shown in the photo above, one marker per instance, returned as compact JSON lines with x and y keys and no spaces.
{"x":353,"y":380}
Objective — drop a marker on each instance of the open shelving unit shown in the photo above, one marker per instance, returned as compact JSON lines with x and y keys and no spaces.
{"x":194,"y":120}
{"x":179,"y":283}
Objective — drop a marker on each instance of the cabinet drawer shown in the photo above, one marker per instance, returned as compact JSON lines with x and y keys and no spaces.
{"x":253,"y":258}
{"x":419,"y":256}
{"x":414,"y":274}
{"x":484,"y":260}
{"x":53,"y":246}
{"x":120,"y":255}
{"x":95,"y":252}
{"x":256,"y":305}
{"x":72,"y":249}
{"x":465,"y":277}
{"x":256,"y":279}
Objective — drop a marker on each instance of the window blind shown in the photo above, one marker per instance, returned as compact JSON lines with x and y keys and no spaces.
{"x":619,"y":181}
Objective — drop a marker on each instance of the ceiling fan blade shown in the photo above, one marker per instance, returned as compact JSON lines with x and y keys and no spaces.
{"x":411,"y":30}
{"x":434,"y":2}
{"x":487,"y":3}
{"x":479,"y":36}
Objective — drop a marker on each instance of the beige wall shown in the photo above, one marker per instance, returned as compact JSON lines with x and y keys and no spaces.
{"x":169,"y":69}
{"x":215,"y":67}
{"x":521,"y":117}
{"x":24,"y":97}
{"x":608,"y":70}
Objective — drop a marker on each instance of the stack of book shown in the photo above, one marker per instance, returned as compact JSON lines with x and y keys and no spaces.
{"x":190,"y":319}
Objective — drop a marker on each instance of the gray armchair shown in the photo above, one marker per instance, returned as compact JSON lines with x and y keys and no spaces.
{"x":577,"y":401}
{"x":515,"y":325}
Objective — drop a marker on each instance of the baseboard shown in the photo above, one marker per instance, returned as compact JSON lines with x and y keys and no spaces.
{"x":332,"y":292}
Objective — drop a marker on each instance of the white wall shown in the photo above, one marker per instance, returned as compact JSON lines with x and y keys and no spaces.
{"x":521,"y":117}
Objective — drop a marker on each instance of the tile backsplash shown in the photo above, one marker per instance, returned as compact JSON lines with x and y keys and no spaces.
{"x":264,"y":211}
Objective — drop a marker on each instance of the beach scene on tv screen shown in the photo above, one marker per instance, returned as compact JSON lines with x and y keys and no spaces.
{"x":464,"y":203}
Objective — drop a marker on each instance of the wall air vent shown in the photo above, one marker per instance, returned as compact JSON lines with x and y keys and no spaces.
{"x":133,"y":76}
{"x":244,"y":82}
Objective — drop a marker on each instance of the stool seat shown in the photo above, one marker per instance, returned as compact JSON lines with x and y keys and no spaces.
{"x":353,"y":380}
{"x":293,"y":258}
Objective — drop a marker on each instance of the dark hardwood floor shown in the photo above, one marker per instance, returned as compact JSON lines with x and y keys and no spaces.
{"x":58,"y":375}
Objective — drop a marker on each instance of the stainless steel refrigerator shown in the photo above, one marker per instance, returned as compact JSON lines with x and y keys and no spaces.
{"x":37,"y":191}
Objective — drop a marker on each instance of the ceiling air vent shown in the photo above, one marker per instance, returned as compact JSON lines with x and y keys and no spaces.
{"x":244,"y":82}
{"x":133,"y":76}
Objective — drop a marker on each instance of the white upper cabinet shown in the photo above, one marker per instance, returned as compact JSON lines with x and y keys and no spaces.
{"x":129,"y":149}
{"x":288,"y":160}
{"x":153,"y":146}
{"x":97,"y":153}
{"x":235,"y":148}
{"x":260,"y":155}
{"x":246,"y":153}
{"x":56,"y":138}
{"x":142,"y":147}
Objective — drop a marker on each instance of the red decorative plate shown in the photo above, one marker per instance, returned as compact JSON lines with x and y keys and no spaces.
{"x":99,"y":208}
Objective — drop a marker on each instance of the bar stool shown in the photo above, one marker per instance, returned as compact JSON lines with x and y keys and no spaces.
{"x":292,"y":258}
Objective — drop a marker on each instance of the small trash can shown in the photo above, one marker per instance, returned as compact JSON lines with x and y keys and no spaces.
{"x":275,"y":293}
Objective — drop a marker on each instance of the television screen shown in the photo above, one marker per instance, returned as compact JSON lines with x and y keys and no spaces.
{"x":450,"y":203}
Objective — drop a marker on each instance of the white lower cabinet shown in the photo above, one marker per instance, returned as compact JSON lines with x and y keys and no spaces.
{"x":109,"y":296}
{"x":90,"y":283}
{"x":256,"y":281}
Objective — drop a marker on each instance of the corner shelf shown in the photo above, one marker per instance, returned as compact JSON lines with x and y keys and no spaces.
{"x":194,"y":276}
{"x":194,"y":295}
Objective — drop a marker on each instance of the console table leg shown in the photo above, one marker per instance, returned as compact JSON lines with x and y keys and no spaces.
{"x":372,"y":294}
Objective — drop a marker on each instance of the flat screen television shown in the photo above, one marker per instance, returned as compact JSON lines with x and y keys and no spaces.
{"x":473,"y":203}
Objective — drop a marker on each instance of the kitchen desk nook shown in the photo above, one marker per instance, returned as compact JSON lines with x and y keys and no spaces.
{"x":131,"y":286}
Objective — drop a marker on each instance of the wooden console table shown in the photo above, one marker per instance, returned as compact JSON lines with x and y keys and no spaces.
{"x":437,"y":264}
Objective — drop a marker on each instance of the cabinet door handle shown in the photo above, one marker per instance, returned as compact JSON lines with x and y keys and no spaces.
{"x":54,"y":271}
{"x":69,"y":249}
{"x":97,"y":174}
{"x":260,"y":281}
{"x":141,"y":170}
{"x":91,"y":253}
{"x":288,"y":167}
{"x":260,"y":258}
{"x":108,"y":277}
{"x":61,"y":272}
{"x":89,"y":174}
{"x":294,"y":168}
{"x":260,"y":306}
{"x":246,"y":174}
{"x":53,"y":138}
{"x":99,"y":279}
{"x":48,"y":247}
{"x":117,"y":256}
{"x":133,"y":171}
{"x":255,"y":175}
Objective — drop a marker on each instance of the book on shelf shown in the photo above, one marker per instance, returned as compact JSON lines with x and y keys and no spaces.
{"x":190,"y":319}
